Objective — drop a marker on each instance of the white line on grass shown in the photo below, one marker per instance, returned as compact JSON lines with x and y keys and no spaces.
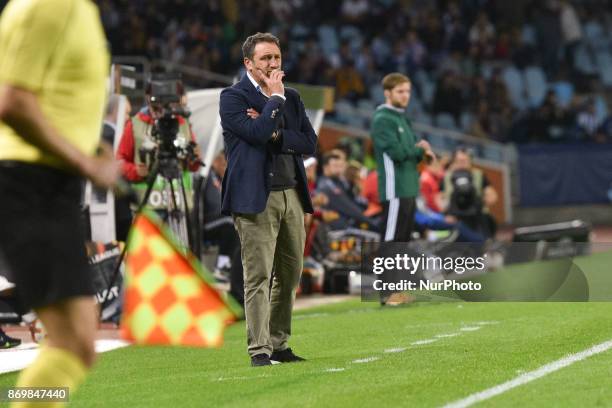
{"x":335,"y":370}
{"x":420,"y":342}
{"x":470,"y":328}
{"x":530,"y":376}
{"x":441,"y":336}
{"x":242,"y":378}
{"x":487,"y":322}
{"x":395,"y":350}
{"x":365,"y":360}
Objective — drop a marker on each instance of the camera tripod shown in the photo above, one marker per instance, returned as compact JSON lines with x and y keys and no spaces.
{"x":176,"y":214}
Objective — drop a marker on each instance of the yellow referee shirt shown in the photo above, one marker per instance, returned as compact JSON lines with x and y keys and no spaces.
{"x":57,"y":50}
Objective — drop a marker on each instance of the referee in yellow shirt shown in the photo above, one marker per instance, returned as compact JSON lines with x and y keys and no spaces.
{"x":53,"y":69}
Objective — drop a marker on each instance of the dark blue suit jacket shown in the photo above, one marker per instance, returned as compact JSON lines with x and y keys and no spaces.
{"x":250,"y":154}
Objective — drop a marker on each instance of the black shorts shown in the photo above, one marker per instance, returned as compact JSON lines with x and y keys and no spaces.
{"x":42,"y":237}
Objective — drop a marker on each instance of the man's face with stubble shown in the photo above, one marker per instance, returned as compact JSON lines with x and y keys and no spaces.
{"x":399,"y":96}
{"x":266,"y":58}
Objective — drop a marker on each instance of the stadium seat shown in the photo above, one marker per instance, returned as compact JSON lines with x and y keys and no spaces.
{"x":445,"y":121}
{"x":428,"y":89}
{"x":377,"y":94}
{"x":593,"y":32}
{"x":344,"y":111}
{"x":514,"y":82}
{"x":366,"y":108}
{"x":529,"y":35}
{"x":603,"y":59}
{"x":420,"y":77}
{"x":415,"y":106}
{"x":328,"y":39}
{"x":583,"y":61}
{"x":424,"y":118}
{"x":353,"y":35}
{"x":601,"y":108}
{"x":466,"y":121}
{"x":536,"y":85}
{"x":564,"y":91}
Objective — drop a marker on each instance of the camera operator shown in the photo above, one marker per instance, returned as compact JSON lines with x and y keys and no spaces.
{"x":469,"y":194}
{"x":144,"y":138}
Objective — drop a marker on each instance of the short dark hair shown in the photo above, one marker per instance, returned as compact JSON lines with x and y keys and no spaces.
{"x":329,"y":156}
{"x":248,"y":47}
{"x":394,"y":79}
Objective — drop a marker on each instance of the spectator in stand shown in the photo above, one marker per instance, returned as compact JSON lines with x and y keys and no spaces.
{"x":417,"y":53}
{"x":572,"y":32}
{"x":219,"y":228}
{"x":604,"y":133}
{"x":449,"y":96}
{"x":548,"y":29}
{"x":548,"y":121}
{"x":370,"y":193}
{"x":482,"y":35}
{"x":500,"y":107}
{"x":354,"y":11}
{"x":349,"y":84}
{"x":502,"y":46}
{"x":429,"y":185}
{"x":587,"y":119}
{"x":522,"y":54}
{"x":331,"y":184}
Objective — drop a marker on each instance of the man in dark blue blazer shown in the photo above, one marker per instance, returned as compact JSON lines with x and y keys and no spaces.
{"x":266,"y":133}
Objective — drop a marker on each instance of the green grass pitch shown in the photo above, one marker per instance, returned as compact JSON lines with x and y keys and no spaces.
{"x":359,"y":354}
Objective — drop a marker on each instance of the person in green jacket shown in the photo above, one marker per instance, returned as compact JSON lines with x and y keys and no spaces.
{"x":397,"y":154}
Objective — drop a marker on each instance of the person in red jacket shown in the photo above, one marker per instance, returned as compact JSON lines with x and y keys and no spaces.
{"x":136,"y":146}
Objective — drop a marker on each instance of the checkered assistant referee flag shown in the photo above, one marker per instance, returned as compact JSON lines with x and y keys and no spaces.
{"x":169,"y":298}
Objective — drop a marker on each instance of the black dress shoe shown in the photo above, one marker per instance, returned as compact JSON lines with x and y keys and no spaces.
{"x":8,"y":342}
{"x":285,"y":356}
{"x":260,"y":360}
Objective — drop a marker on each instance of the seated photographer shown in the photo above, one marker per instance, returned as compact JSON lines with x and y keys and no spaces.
{"x":331,"y":184}
{"x":220,"y":229}
{"x":469,"y":194}
{"x":161,"y":128}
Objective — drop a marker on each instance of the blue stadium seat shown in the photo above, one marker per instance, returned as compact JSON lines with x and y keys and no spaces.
{"x":514,"y":82}
{"x":415,"y":106}
{"x":345,"y":111}
{"x":445,"y":121}
{"x":529,"y":35}
{"x":583,"y":61}
{"x":536,"y":85}
{"x":564,"y":91}
{"x":604,"y":63}
{"x":424,"y":118}
{"x":420,"y":77}
{"x":377,"y":94}
{"x":353,"y":35}
{"x":593,"y":32}
{"x":428,"y":89}
{"x":601,"y":108}
{"x":328,"y":39}
{"x":466,"y":121}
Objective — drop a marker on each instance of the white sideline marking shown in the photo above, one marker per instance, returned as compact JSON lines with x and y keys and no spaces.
{"x":17,"y":359}
{"x":365,"y":360}
{"x":241,"y":378}
{"x":530,"y":376}
{"x":470,"y":328}
{"x":335,"y":370}
{"x":441,"y":336}
{"x":395,"y":350}
{"x":487,"y":322}
{"x":420,"y":342}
